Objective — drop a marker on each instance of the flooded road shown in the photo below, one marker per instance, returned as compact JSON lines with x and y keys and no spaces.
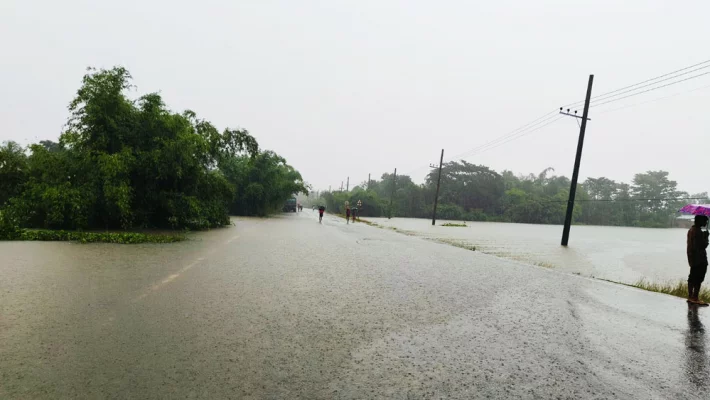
{"x":619,"y":254}
{"x":288,"y":308}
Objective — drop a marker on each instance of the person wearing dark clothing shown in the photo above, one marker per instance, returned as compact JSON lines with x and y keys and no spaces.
{"x":321,"y":210}
{"x":697,"y":258}
{"x":347,"y":214}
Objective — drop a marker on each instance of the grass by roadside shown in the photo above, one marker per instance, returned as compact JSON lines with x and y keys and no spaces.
{"x":461,"y":225}
{"x":678,"y":289}
{"x":456,"y":243}
{"x":359,"y":220}
{"x":93,"y":237}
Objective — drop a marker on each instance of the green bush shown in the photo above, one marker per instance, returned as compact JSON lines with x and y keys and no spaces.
{"x":9,"y":228}
{"x":88,"y":237}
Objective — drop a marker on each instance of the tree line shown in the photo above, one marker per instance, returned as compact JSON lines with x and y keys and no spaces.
{"x":123,"y":164}
{"x":473,"y":192}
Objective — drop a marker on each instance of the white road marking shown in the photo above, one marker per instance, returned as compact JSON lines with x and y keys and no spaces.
{"x":176,"y":275}
{"x":168,"y":279}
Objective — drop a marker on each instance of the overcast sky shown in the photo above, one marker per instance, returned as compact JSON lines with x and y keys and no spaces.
{"x":343,"y":88}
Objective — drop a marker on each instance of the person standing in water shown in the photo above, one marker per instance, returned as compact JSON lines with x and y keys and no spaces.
{"x":697,"y":258}
{"x":347,"y":214}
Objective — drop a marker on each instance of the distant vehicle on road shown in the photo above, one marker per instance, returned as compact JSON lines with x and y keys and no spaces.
{"x":290,"y":205}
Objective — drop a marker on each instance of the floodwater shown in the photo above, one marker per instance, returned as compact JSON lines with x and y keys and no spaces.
{"x":616,"y":253}
{"x":289,"y":308}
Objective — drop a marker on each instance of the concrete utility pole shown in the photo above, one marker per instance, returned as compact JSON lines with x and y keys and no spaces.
{"x":394,"y":184}
{"x":368,"y":181}
{"x":347,"y":188}
{"x":341,"y":186}
{"x":577,"y":161}
{"x":438,"y":183}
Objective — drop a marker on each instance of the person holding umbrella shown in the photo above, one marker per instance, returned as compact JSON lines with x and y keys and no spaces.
{"x":697,"y":243}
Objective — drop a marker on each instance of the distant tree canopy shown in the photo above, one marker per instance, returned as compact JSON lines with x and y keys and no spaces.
{"x":477,"y":193}
{"x":125,"y":163}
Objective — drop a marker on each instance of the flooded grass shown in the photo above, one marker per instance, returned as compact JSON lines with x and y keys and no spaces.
{"x":95,"y":237}
{"x":461,"y":225}
{"x":357,"y":220}
{"x":678,"y":289}
{"x":544,"y":264}
{"x":455,"y":243}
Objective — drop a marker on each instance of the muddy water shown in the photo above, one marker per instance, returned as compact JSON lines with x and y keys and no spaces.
{"x":615,"y":253}
{"x":287,"y":307}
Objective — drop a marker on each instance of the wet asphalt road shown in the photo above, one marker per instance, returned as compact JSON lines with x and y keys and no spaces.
{"x":288,"y":308}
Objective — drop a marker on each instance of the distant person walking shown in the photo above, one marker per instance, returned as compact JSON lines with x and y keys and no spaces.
{"x":697,"y":258}
{"x":347,"y":214}
{"x":321,"y":210}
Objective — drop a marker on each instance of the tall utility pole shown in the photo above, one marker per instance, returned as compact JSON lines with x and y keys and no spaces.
{"x":394,"y":184}
{"x":577,"y":160}
{"x":341,"y":186}
{"x":368,"y":181}
{"x":347,"y":188}
{"x":438,"y":183}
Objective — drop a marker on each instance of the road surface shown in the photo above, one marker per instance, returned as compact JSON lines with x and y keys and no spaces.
{"x":285,"y":307}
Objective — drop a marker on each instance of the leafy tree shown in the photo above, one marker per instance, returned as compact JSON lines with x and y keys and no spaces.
{"x":654,"y":185}
{"x":126,"y":163}
{"x":600,"y":209}
{"x":13,"y":170}
{"x":263,"y":183}
{"x":473,"y":187}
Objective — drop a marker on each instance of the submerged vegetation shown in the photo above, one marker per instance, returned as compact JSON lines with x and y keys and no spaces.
{"x":127,"y":164}
{"x":678,"y":289}
{"x":97,"y":237}
{"x":453,"y":242}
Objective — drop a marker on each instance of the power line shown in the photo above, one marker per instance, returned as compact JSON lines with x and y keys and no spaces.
{"x":521,"y":134}
{"x":598,"y":97}
{"x":657,"y":199}
{"x":650,"y":90}
{"x":629,"y":199}
{"x":509,"y":138}
{"x":606,"y":98}
{"x":654,"y":100}
{"x":530,"y":125}
{"x":650,"y":84}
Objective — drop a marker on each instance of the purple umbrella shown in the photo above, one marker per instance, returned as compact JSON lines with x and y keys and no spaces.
{"x":696,"y":209}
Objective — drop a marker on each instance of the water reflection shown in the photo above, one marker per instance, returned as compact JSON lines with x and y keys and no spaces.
{"x":696,"y":358}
